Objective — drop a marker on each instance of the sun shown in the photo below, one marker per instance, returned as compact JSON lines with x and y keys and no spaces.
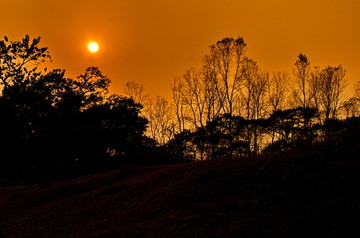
{"x":93,"y":47}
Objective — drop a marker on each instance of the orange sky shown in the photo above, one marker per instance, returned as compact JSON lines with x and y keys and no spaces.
{"x":152,"y":41}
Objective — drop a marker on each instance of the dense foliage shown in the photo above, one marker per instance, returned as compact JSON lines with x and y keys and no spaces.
{"x":52,"y":126}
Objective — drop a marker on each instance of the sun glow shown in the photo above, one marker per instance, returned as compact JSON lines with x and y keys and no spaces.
{"x":93,"y":47}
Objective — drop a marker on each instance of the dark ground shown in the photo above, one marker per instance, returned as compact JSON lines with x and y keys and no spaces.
{"x":286,"y":195}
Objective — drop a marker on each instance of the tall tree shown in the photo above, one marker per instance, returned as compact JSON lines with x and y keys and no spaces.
{"x":303,"y":91}
{"x":179,"y":105}
{"x":254,"y":98}
{"x":330,"y":85}
{"x":204,"y":94}
{"x":278,"y":90}
{"x":193,"y":94}
{"x":278,"y":86}
{"x":159,"y":113}
{"x":223,"y":64}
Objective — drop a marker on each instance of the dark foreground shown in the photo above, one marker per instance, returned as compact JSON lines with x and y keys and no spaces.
{"x":272,"y":196}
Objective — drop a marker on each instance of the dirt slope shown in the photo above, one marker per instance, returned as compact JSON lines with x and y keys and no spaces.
{"x":269,"y":196}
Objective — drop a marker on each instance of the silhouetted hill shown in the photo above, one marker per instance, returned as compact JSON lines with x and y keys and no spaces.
{"x":285,"y":195}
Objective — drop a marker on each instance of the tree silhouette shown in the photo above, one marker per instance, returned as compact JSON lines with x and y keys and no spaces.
{"x":330,"y":84}
{"x":292,"y":128}
{"x":17,"y":56}
{"x":31,"y":110}
{"x":303,"y":89}
{"x":231,"y":85}
{"x":53,"y":126}
{"x":92,"y":86}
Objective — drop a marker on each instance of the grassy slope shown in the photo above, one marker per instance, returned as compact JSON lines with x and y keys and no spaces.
{"x":269,"y":196}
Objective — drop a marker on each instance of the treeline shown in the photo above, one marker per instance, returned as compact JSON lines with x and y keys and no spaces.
{"x":230,"y":107}
{"x":57,"y":127}
{"x":295,"y":129}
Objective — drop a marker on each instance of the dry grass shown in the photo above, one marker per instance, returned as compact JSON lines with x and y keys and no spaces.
{"x":268,"y":196}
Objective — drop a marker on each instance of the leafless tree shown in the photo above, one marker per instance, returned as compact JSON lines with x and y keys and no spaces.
{"x":351,"y":107}
{"x":159,"y":113}
{"x":179,"y":105}
{"x":254,"y":89}
{"x":136,"y":92}
{"x":194,"y":97}
{"x":278,"y":90}
{"x":357,"y":89}
{"x":214,"y":95}
{"x":223,"y":65}
{"x":303,"y":89}
{"x":330,"y":85}
{"x":157,"y":110}
{"x":201,"y":95}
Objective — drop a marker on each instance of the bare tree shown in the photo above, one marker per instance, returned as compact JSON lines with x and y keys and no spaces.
{"x":179,"y":105}
{"x":136,"y":92}
{"x":303,"y":89}
{"x":194,"y":97}
{"x":357,"y":89}
{"x":278,"y":90}
{"x":201,"y":95}
{"x":351,"y":107}
{"x":331,"y":84}
{"x":277,"y":94}
{"x":254,"y":89}
{"x":259,"y":95}
{"x":159,"y":113}
{"x":223,"y":65}
{"x":157,"y":110}
{"x":214,"y":95}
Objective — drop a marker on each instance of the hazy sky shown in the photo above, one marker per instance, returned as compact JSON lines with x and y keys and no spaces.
{"x":152,"y":41}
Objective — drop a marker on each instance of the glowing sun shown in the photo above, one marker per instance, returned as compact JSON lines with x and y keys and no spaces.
{"x":93,"y":47}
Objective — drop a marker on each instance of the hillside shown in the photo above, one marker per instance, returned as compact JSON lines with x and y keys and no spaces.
{"x":268,"y":196}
